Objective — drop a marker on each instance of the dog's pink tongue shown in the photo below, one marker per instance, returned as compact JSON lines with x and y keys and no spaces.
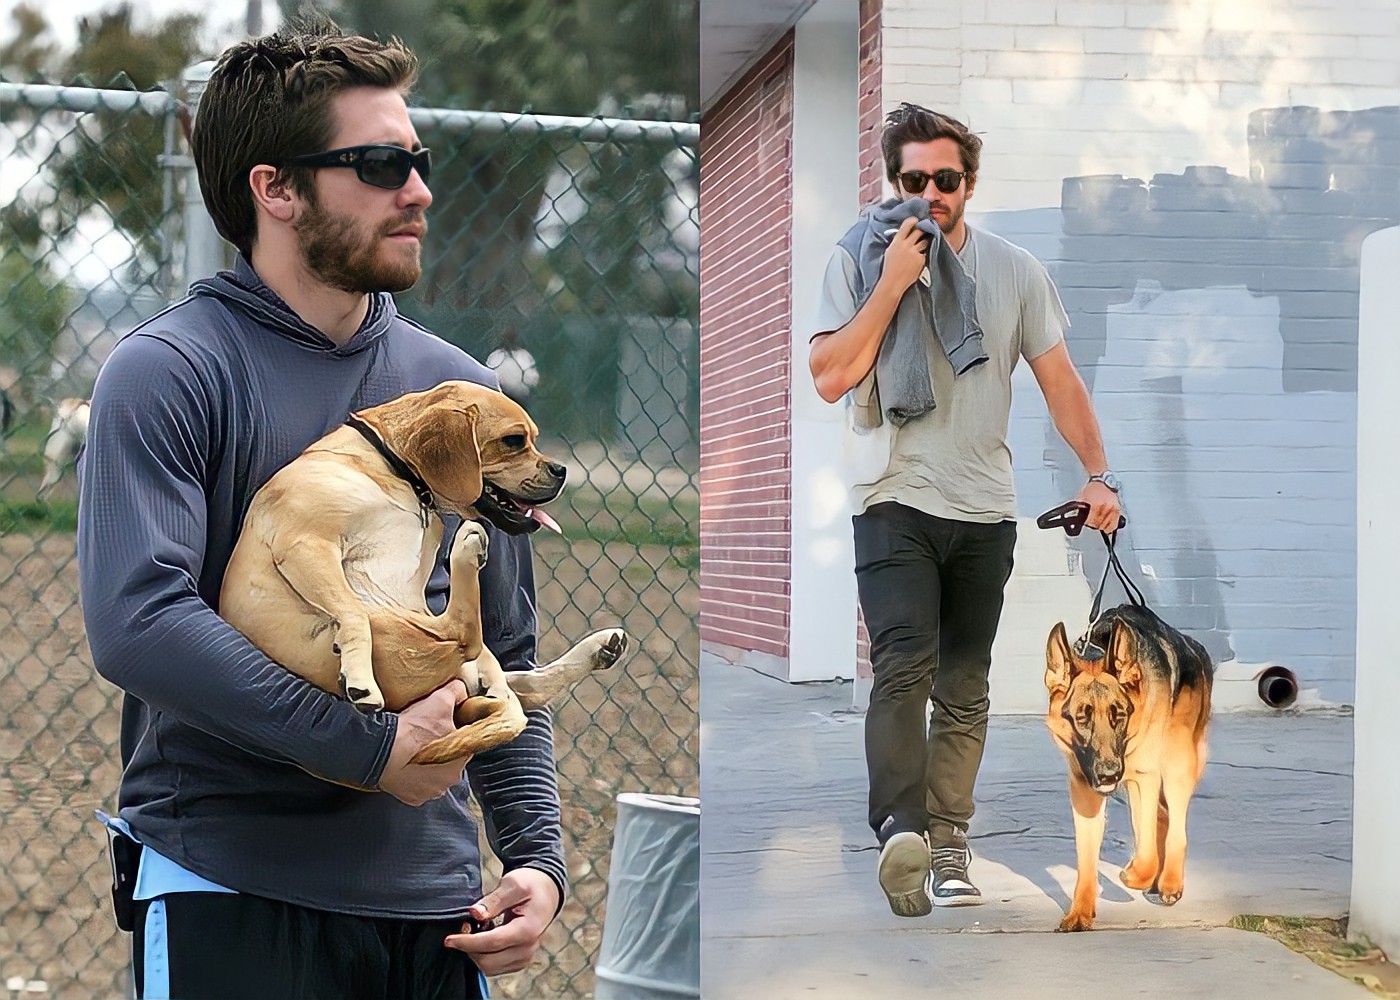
{"x":535,"y":514}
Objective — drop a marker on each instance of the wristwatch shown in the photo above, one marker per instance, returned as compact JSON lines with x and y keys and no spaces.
{"x":1108,"y":479}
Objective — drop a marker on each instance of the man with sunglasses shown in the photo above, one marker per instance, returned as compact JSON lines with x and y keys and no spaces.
{"x":272,"y":841}
{"x":936,"y":524}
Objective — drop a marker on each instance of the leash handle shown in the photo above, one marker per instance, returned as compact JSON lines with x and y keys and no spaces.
{"x":1071,"y":516}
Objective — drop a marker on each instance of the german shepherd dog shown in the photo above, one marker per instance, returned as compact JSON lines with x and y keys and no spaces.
{"x":1130,"y":707}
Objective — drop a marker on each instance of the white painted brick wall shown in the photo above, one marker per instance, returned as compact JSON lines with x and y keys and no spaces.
{"x":1070,"y":88}
{"x":988,"y":37}
{"x":1174,"y":80}
{"x":1131,"y":40}
{"x":1091,"y":15}
{"x":1040,"y":38}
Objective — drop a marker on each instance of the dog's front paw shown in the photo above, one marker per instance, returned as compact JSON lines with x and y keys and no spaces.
{"x":1076,"y":920}
{"x":366,"y":699}
{"x":472,"y":543}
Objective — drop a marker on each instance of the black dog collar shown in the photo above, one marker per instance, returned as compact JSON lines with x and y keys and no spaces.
{"x":398,"y":465}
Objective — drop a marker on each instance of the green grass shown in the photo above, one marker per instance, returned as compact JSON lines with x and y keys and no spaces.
{"x":37,"y":517}
{"x":23,"y":451}
{"x":586,"y":514}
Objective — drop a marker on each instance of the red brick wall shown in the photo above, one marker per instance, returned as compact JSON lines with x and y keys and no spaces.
{"x":872,"y":113}
{"x":745,"y":336}
{"x":872,"y":176}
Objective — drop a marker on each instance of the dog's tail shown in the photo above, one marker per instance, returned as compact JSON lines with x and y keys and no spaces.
{"x":485,"y":723}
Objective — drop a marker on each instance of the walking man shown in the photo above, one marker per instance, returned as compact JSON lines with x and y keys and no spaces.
{"x":921,"y":321}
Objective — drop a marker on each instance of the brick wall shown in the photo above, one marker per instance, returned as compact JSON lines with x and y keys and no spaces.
{"x":745,"y":323}
{"x":872,"y":179}
{"x":872,"y":114}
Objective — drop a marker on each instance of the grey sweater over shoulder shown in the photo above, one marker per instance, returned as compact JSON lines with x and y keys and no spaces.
{"x":233,"y":767}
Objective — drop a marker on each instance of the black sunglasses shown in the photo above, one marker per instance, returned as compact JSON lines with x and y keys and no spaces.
{"x":947,"y":181}
{"x":380,"y":166}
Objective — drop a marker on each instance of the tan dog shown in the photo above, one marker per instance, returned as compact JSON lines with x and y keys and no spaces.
{"x":329,"y":571}
{"x":1132,"y":708}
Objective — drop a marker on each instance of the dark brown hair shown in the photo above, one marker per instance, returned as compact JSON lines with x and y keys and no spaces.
{"x":912,"y":123}
{"x":269,"y":98}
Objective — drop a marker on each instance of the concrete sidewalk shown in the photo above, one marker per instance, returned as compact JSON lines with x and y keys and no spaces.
{"x":790,"y":906}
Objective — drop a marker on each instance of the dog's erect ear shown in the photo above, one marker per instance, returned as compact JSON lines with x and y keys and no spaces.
{"x":1122,"y":660}
{"x":1059,"y":661}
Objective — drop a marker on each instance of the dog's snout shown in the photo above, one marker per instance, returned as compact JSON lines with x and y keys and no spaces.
{"x":556,"y":470}
{"x":1108,"y":773}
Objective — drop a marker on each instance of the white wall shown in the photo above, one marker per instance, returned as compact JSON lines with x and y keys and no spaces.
{"x":1375,"y":881}
{"x":1205,"y":244}
{"x":1062,"y":88}
{"x":822,"y":642}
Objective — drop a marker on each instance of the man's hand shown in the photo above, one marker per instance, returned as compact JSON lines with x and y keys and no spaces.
{"x":1104,"y":507}
{"x":526,"y":899}
{"x":419,"y":724}
{"x":906,"y":256}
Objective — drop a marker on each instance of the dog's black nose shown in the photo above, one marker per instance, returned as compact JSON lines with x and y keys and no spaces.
{"x":556,"y":470}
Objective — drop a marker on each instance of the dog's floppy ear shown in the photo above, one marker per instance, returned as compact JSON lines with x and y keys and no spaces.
{"x":445,"y":451}
{"x":435,"y":433}
{"x":1059,"y":661}
{"x":1122,"y":660}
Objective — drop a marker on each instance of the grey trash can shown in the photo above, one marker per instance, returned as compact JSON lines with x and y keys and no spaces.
{"x":651,"y":933}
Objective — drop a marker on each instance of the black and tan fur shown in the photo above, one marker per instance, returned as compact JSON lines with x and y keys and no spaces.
{"x":1134,"y":711}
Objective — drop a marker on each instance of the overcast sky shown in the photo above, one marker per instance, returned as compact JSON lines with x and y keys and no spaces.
{"x":221,"y":28}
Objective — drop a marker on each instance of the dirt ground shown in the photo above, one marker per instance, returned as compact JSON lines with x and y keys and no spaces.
{"x":634,"y":729}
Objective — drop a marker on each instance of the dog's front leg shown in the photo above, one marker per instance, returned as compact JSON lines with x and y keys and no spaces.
{"x":1143,"y":793}
{"x":462,"y":616}
{"x":601,"y":650}
{"x":312,"y":567}
{"x":1089,"y":816}
{"x":1178,"y":784}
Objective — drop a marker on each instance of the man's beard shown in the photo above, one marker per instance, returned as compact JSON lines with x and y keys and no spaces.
{"x":335,"y":250}
{"x":951,"y":222}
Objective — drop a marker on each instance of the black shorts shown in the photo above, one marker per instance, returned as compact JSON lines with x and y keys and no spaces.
{"x":226,"y":946}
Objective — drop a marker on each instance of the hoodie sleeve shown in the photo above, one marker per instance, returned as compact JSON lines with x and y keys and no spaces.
{"x":142,"y":518}
{"x":517,"y":784}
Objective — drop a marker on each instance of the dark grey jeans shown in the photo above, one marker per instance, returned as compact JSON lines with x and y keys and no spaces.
{"x":931,"y":591}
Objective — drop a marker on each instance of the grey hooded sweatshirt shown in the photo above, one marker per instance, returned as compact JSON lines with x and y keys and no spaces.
{"x":233,"y":767}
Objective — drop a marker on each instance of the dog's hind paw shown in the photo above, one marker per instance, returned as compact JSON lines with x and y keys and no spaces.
{"x":615,"y":643}
{"x":1132,"y":877}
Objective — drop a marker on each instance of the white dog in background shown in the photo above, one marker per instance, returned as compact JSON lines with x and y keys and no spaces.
{"x":67,"y":435}
{"x":515,"y":367}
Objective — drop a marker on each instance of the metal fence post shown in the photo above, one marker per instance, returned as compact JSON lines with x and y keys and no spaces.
{"x":205,"y":250}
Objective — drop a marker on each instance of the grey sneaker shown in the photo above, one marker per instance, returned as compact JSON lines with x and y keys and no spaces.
{"x":904,"y":874}
{"x":951,"y":884}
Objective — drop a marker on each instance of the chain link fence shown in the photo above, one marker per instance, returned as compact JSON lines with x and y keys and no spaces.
{"x":563,"y":252}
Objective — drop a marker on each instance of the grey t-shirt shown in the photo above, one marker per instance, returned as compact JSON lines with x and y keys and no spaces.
{"x":954,"y":462}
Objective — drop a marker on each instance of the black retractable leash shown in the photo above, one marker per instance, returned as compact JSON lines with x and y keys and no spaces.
{"x":1071,"y":516}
